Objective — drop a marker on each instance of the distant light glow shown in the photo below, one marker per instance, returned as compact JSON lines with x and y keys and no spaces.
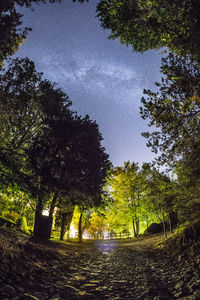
{"x":45,"y":212}
{"x":86,"y":235}
{"x":106,"y":247}
{"x":106,"y":235}
{"x":72,"y":231}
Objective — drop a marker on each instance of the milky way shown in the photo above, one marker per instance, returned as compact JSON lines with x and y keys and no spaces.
{"x":102,"y":77}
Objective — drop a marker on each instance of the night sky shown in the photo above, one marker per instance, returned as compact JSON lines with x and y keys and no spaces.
{"x":102,"y":77}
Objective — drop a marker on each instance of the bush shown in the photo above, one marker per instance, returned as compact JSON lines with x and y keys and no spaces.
{"x":22,"y":224}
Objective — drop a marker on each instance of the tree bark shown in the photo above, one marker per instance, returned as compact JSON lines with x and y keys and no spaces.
{"x":134,"y":229}
{"x":38,"y":215}
{"x":170,"y":224}
{"x":137,"y":226}
{"x":43,"y":224}
{"x":65,"y":223}
{"x":53,"y":204}
{"x":164,"y":226}
{"x":80,"y":227}
{"x":63,"y":226}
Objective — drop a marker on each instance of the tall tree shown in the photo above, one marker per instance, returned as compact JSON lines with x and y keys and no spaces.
{"x":153,"y":24}
{"x":175,"y":112}
{"x":127,"y":189}
{"x":68,"y":158}
{"x":161,"y":195}
{"x":26,"y":101}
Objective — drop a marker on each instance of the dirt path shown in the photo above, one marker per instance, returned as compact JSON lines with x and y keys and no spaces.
{"x":128,"y":269}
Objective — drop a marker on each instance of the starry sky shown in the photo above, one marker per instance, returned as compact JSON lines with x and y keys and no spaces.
{"x":102,"y":77}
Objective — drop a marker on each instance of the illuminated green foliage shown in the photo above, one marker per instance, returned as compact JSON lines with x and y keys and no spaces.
{"x":128,"y":188}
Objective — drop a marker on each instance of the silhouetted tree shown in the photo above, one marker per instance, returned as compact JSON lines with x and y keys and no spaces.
{"x":68,"y":157}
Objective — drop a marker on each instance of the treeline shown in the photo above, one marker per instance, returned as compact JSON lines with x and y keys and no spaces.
{"x":173,"y":109}
{"x":50,"y":156}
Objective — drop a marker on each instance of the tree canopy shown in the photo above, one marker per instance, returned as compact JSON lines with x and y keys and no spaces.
{"x":174,"y":109}
{"x":153,"y":24}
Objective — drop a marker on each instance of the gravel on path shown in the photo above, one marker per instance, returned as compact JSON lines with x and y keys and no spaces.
{"x":107,"y":269}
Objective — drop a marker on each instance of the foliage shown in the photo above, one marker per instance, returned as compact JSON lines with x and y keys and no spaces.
{"x":175,"y":110}
{"x":67,"y":158}
{"x":127,"y":185}
{"x":47,"y":150}
{"x":153,"y":24}
{"x":22,"y":224}
{"x":97,"y":226}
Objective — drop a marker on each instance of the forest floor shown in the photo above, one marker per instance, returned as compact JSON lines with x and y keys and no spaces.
{"x":107,"y":269}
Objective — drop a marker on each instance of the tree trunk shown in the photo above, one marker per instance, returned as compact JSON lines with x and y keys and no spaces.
{"x":164,"y":226}
{"x":170,"y":224}
{"x":80,"y":227}
{"x":63,"y":226}
{"x":52,"y":207}
{"x":65,"y":223}
{"x":43,"y":224}
{"x":134,"y":229}
{"x":137,"y":226}
{"x":38,"y":215}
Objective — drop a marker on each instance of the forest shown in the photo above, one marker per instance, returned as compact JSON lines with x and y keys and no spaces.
{"x":52,"y":158}
{"x":58,"y":183}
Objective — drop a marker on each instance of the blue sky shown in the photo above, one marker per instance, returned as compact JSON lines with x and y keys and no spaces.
{"x":102,"y":77}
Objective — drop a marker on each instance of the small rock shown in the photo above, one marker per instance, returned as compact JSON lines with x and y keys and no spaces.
{"x":102,"y":288}
{"x":198,"y":260}
{"x":178,"y":294}
{"x":196,"y":295}
{"x":179,"y":285}
{"x":82,"y":293}
{"x":89,"y":285}
{"x":73,"y":288}
{"x":80,"y":278}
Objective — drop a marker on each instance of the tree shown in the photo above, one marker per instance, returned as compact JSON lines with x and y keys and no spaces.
{"x":68,"y":158}
{"x":45,"y":148}
{"x":153,"y":24}
{"x":97,"y":225}
{"x":175,"y":112}
{"x":127,"y":191}
{"x":26,"y":101}
{"x":20,"y":118}
{"x":28,"y":104}
{"x":161,"y":195}
{"x":64,"y":216}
